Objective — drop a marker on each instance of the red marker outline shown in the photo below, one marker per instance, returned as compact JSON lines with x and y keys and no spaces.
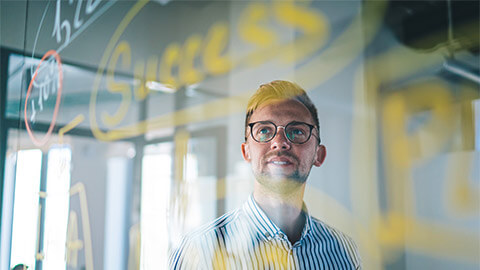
{"x":57,"y":104}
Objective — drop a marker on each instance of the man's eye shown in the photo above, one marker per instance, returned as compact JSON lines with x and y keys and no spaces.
{"x":264,"y":131}
{"x":298,"y":132}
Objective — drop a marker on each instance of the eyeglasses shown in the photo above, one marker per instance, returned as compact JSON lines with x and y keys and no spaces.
{"x":296,"y":132}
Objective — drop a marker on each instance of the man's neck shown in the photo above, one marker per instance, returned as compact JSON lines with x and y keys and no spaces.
{"x":285,"y":210}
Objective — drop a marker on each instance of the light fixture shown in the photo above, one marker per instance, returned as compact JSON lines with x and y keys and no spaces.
{"x":160,"y":87}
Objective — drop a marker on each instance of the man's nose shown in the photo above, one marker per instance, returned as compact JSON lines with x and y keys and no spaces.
{"x":280,"y":141}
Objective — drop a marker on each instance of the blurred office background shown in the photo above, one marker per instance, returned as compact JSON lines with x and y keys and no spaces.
{"x":121,"y":124}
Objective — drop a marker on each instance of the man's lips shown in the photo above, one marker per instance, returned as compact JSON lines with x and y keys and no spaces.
{"x":281,"y":158}
{"x":280,"y":161}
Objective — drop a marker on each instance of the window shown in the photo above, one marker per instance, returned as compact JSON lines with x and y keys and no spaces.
{"x":56,"y":207}
{"x":26,"y":208}
{"x":156,"y":179}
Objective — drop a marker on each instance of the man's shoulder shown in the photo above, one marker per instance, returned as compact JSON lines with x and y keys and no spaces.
{"x":335,"y":237}
{"x":321,"y":227}
{"x":213,"y":227}
{"x":193,"y":243}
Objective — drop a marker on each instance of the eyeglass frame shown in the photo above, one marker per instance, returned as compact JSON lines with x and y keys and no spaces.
{"x":284,"y":132}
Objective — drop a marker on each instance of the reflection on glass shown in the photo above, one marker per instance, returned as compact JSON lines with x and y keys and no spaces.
{"x":26,"y":210}
{"x":195,"y":202}
{"x":201,"y":183}
{"x":56,"y":207}
{"x":476,"y":106}
{"x":156,"y":178}
{"x":116,"y":205}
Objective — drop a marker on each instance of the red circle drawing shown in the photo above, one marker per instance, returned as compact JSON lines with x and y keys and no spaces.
{"x":57,"y":104}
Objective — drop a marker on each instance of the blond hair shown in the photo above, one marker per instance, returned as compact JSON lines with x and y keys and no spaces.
{"x":277,"y":91}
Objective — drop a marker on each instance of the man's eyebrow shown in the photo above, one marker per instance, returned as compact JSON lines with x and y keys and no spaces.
{"x":266,"y":120}
{"x":293,"y":121}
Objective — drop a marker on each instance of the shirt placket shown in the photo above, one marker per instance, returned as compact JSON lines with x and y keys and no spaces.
{"x":282,"y":240}
{"x":291,"y":260}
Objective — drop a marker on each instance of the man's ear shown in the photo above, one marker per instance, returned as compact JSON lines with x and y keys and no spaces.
{"x":321,"y":154}
{"x":246,"y":152}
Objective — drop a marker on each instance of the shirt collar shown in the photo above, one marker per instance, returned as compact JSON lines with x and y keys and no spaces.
{"x":262,"y":222}
{"x":308,"y":221}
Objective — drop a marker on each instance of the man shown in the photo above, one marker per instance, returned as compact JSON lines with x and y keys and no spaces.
{"x":273,"y":229}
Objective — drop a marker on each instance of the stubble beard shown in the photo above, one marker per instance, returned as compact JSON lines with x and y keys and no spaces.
{"x":277,"y":181}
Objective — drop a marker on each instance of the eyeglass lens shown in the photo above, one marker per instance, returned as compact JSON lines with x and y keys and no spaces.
{"x":295,"y":132}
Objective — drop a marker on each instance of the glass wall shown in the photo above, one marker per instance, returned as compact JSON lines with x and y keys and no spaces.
{"x":121,"y":124}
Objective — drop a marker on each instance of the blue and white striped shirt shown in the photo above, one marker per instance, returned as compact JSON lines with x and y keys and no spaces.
{"x":247,"y":239}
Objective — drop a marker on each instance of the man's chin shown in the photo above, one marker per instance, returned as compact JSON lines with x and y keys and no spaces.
{"x":283,"y":175}
{"x":281,"y":183}
{"x":280,"y":173}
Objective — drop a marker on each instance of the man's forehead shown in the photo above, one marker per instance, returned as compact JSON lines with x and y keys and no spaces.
{"x":282,"y":108}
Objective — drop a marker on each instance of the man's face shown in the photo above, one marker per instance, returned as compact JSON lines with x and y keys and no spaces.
{"x":279,"y":161}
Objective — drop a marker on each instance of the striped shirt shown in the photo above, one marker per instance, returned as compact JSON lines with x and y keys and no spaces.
{"x":247,"y":239}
